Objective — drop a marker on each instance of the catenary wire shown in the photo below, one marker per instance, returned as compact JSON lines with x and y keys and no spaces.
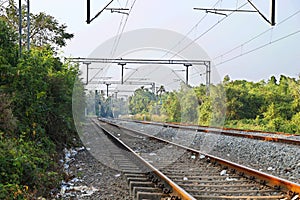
{"x":259,"y":47}
{"x":257,"y":36}
{"x":184,"y":37}
{"x":208,"y":30}
{"x":117,"y":39}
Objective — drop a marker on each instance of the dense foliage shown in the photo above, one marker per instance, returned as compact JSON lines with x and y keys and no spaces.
{"x":270,"y":106}
{"x":45,"y":29}
{"x":35,"y":116}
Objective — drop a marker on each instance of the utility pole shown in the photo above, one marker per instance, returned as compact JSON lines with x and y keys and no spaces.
{"x":88,"y":17}
{"x":220,"y":11}
{"x":20,"y":28}
{"x":28,"y":25}
{"x":208,"y":70}
{"x":122,"y":72}
{"x":107,"y":85}
{"x":273,"y":10}
{"x":187,"y":73}
{"x":87,"y":71}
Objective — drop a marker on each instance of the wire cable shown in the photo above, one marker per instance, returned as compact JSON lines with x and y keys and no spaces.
{"x":118,"y":37}
{"x":259,"y":47}
{"x":118,"y":32}
{"x":185,"y":36}
{"x":123,"y":28}
{"x":205,"y":32}
{"x":253,"y":38}
{"x":190,"y":31}
{"x":257,"y":36}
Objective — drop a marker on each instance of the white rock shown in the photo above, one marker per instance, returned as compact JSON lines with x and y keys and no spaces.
{"x":295,"y":197}
{"x":223,"y":172}
{"x":117,"y":175}
{"x":231,"y":179}
{"x":66,"y":166}
{"x":185,"y":178}
{"x":270,"y":169}
{"x":80,"y":149}
{"x":74,"y":180}
{"x":193,"y":157}
{"x":202,"y":156}
{"x":152,"y":154}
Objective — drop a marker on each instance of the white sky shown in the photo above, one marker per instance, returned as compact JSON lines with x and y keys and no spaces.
{"x":282,"y":57}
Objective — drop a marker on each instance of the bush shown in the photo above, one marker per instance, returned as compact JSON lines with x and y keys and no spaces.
{"x":26,"y":168}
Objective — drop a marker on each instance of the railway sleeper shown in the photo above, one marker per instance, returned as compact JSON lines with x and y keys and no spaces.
{"x":238,"y":197}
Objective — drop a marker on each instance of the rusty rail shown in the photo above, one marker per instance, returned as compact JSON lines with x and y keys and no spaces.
{"x":224,"y":131}
{"x":175,"y":189}
{"x":253,"y":174}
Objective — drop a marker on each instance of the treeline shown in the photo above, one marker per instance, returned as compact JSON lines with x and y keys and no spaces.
{"x":272,"y":105}
{"x":35,"y":106}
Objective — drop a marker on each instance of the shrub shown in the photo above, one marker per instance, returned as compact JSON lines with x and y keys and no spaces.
{"x":26,"y":167}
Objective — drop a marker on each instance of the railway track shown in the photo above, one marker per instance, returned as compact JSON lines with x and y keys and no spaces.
{"x":251,"y":134}
{"x":192,"y":174}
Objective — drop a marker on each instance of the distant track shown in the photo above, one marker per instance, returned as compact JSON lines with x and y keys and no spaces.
{"x":251,"y":134}
{"x":198,"y":175}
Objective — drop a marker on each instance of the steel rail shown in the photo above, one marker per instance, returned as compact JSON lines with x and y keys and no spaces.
{"x":176,"y":189}
{"x":264,"y":178}
{"x":225,"y":131}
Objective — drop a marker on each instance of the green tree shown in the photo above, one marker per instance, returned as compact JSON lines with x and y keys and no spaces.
{"x":295,"y":123}
{"x":8,"y":122}
{"x":45,"y":29}
{"x":36,"y":117}
{"x":172,"y":108}
{"x":189,"y":104}
{"x":140,"y":101}
{"x":205,"y":112}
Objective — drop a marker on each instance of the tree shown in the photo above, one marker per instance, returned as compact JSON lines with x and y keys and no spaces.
{"x":226,"y":79}
{"x":7,"y":120}
{"x":272,"y":81}
{"x":205,"y":112}
{"x":171,"y":107}
{"x":140,"y":101}
{"x":160,"y":91}
{"x":36,"y":117}
{"x":8,"y":47}
{"x":45,"y":29}
{"x":189,"y":104}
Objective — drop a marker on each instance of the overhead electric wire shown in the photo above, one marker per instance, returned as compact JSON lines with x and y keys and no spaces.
{"x":97,"y":15}
{"x":205,"y":32}
{"x":190,"y":31}
{"x":255,"y":37}
{"x":123,"y":28}
{"x":118,"y":37}
{"x":118,"y":32}
{"x":259,"y":47}
{"x":184,"y":37}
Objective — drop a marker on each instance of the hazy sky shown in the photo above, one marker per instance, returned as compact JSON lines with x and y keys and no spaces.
{"x":275,"y":58}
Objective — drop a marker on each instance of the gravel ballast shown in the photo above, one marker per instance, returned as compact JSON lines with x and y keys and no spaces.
{"x":282,"y":160}
{"x":89,"y":176}
{"x":90,"y":179}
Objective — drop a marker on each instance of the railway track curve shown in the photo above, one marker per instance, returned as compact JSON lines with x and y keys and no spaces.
{"x":251,"y":134}
{"x":193,"y":175}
